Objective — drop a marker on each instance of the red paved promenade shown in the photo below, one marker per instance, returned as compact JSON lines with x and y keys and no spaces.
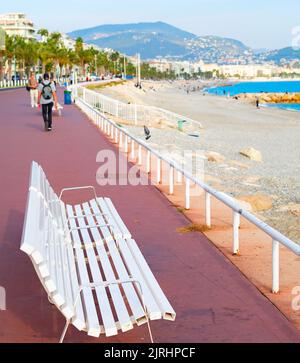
{"x":213,"y":300}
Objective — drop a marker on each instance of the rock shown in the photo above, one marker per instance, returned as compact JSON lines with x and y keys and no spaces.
{"x":214,"y":157}
{"x":252,"y":154}
{"x":242,"y":204}
{"x":259,"y":202}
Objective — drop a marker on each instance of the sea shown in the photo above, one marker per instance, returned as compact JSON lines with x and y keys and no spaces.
{"x":284,"y":106}
{"x":256,"y":87}
{"x":261,"y":87}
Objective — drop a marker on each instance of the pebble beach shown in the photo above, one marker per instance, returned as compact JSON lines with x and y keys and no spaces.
{"x":271,"y":187}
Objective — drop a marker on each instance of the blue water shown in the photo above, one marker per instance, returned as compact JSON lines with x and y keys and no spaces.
{"x":285,"y":106}
{"x":257,"y":87}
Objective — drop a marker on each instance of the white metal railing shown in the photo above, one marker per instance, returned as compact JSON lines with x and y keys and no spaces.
{"x":13,"y":84}
{"x":134,"y":113}
{"x":129,"y":143}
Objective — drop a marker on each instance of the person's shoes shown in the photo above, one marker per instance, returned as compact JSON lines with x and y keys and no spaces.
{"x":46,"y":126}
{"x":49,"y":128}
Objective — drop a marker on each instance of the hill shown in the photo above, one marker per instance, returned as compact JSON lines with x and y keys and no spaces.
{"x":155,"y":40}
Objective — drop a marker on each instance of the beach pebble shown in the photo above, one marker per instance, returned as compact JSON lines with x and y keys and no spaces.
{"x":252,"y":154}
{"x":214,"y":157}
{"x":292,"y":208}
{"x":258,"y":202}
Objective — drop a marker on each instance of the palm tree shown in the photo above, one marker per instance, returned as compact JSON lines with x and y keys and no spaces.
{"x":9,"y":53}
{"x":63,"y":59}
{"x":44,"y":33}
{"x":114,"y":57}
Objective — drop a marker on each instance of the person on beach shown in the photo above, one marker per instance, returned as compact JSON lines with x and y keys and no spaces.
{"x":257,"y":102}
{"x":33,"y":85}
{"x":47,"y":98}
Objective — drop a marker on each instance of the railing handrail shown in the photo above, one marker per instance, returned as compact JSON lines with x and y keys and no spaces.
{"x":220,"y":196}
{"x":146,"y":107}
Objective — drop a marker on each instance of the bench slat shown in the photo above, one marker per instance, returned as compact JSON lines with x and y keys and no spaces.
{"x":56,"y":259}
{"x":93,"y":326}
{"x":78,"y":320}
{"x":125,"y":232}
{"x":131,"y":295}
{"x":151,"y":304}
{"x":118,"y":302}
{"x":166,"y":308}
{"x":104,"y":305}
{"x":66,"y":285}
{"x":32,"y":231}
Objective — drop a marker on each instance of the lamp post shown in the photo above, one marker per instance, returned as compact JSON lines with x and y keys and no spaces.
{"x":2,"y":49}
{"x":15,"y":70}
{"x":125,"y":72}
{"x":138,"y":69}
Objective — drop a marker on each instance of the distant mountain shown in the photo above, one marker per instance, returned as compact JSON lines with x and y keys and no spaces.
{"x":281,"y":55}
{"x":155,"y":40}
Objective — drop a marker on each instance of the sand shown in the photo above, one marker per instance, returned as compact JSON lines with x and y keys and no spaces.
{"x":229,"y":126}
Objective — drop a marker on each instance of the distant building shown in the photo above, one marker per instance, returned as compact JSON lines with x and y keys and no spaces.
{"x":248,"y":71}
{"x":17,"y":24}
{"x":206,"y":67}
{"x":68,"y":42}
{"x":161,"y":65}
{"x":2,"y":39}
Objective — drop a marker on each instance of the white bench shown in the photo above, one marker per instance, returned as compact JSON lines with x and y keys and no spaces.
{"x":88,"y":263}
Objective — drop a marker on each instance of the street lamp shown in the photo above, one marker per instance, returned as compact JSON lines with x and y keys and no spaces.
{"x":2,"y":49}
{"x":15,"y":70}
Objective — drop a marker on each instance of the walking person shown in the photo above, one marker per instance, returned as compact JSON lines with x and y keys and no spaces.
{"x":257,"y":102}
{"x":33,"y":86}
{"x":47,"y":98}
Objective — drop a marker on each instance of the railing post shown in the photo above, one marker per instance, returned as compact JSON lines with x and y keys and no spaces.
{"x":132,"y":149}
{"x":140,"y":161}
{"x":187,"y":193}
{"x":171,"y":180}
{"x":117,"y":108}
{"x":126,"y":144}
{"x":121,"y":139}
{"x":179,"y":177}
{"x":208,"y":210}
{"x":236,"y":226}
{"x":158,"y":176}
{"x":135,"y":115}
{"x":148,"y":162}
{"x":117,"y":136}
{"x":276,"y":267}
{"x":112,"y":132}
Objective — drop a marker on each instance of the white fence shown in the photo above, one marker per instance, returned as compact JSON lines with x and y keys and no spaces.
{"x":133,"y":147}
{"x":12,"y":84}
{"x":132,"y":113}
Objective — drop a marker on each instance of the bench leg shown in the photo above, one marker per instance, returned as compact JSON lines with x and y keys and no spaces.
{"x":62,"y":338}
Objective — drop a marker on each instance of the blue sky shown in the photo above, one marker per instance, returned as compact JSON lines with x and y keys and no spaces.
{"x":258,"y":23}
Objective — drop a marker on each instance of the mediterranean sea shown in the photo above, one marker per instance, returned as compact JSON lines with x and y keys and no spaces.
{"x":256,"y":87}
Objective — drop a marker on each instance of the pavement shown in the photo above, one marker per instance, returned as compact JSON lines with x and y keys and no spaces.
{"x":214,"y":302}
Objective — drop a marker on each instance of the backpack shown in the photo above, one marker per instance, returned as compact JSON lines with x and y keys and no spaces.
{"x":47,"y":91}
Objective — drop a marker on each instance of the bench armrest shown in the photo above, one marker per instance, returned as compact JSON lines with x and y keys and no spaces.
{"x":78,"y":188}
